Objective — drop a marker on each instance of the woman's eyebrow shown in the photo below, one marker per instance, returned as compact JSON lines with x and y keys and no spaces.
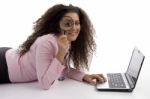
{"x":71,"y":18}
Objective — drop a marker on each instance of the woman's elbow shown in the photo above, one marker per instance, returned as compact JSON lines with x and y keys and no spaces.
{"x":45,"y":85}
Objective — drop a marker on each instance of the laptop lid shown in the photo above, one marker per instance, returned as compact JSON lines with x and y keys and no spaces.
{"x":134,"y":67}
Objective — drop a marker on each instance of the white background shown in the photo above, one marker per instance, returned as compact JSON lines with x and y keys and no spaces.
{"x":120,"y":25}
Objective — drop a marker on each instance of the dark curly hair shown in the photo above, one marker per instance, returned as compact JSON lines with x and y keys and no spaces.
{"x":81,"y":48}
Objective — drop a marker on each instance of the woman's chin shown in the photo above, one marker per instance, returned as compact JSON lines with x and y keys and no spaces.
{"x":72,"y":38}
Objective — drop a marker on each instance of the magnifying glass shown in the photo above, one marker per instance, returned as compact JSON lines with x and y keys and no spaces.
{"x":66,"y":24}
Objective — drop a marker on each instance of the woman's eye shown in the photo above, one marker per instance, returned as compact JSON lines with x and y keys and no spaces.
{"x":77,"y":23}
{"x":68,"y":24}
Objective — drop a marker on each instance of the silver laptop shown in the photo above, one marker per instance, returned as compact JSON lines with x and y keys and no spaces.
{"x":124,"y":82}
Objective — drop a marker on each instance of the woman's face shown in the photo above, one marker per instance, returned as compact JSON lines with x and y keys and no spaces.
{"x":73,"y":32}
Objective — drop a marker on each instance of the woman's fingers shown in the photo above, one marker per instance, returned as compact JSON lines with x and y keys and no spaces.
{"x":89,"y":79}
{"x":102,"y":76}
{"x":93,"y":78}
{"x":92,"y":81}
{"x":99,"y":78}
{"x":63,"y":43}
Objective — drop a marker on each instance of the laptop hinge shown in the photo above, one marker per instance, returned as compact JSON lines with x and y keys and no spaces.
{"x":130,"y":80}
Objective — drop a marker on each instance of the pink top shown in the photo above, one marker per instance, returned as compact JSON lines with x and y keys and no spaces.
{"x":39,"y":63}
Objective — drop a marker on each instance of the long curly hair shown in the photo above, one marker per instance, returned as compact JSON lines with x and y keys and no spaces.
{"x":48,"y":23}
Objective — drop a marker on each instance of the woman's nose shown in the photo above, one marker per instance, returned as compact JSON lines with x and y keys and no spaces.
{"x":75,"y":27}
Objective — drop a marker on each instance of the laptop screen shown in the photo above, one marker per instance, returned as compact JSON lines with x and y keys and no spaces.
{"x":135,"y":65}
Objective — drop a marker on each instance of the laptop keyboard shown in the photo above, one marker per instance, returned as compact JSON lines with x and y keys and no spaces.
{"x":116,"y":80}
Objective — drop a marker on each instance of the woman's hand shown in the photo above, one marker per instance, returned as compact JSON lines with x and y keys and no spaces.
{"x":63,"y":46}
{"x":93,"y":78}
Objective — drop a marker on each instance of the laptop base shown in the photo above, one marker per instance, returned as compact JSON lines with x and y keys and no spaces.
{"x":115,"y":90}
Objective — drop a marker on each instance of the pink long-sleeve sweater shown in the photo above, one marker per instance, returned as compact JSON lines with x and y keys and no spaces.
{"x":39,"y":63}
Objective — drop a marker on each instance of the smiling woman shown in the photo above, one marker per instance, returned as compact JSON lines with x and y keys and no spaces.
{"x":72,"y":27}
{"x":47,"y":53}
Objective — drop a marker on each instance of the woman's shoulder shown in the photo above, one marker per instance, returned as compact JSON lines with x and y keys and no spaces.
{"x":47,"y":41}
{"x":48,"y":38}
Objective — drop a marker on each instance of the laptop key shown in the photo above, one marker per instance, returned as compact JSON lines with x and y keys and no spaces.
{"x":115,"y":80}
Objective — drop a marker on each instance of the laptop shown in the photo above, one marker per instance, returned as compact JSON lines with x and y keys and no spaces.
{"x":124,"y":82}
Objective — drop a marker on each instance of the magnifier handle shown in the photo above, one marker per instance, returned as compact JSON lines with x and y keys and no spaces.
{"x":65,"y":32}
